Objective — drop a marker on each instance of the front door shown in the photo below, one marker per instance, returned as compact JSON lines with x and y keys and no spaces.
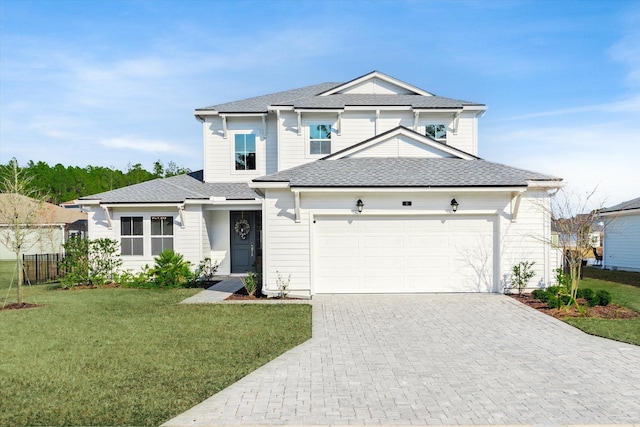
{"x":243,"y":241}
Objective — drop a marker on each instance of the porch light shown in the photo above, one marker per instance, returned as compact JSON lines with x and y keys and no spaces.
{"x":454,"y":205}
{"x":359,"y":205}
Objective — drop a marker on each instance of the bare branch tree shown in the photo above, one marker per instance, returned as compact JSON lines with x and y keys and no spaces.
{"x":22,"y":213}
{"x":574,"y":215}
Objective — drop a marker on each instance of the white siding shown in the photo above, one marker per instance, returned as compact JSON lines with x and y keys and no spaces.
{"x":622,"y":242}
{"x":528,"y":239}
{"x":219,"y":163}
{"x":377,"y":86}
{"x":286,"y":243}
{"x":187,"y":240}
{"x":400,"y":146}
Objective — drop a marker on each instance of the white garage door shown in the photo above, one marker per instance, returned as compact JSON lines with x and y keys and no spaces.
{"x":362,"y":254}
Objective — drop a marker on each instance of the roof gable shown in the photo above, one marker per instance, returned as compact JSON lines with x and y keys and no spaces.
{"x":376,"y":83}
{"x":629,"y":205}
{"x":401,"y":142}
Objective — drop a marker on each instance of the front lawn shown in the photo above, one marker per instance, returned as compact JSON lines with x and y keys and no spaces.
{"x":624,"y":295}
{"x":131,"y":356}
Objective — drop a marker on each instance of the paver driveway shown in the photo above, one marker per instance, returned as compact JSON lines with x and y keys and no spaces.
{"x":431,"y":360}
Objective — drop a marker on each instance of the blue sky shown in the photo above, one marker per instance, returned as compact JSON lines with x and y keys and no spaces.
{"x":115,"y":82}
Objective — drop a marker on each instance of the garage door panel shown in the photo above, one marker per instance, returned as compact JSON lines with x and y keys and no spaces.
{"x":384,"y":242}
{"x":403,"y":254}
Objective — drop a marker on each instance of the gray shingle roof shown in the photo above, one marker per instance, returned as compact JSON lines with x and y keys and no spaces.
{"x":624,"y":206}
{"x":175,"y":190}
{"x":308,"y":98}
{"x":259,"y":104}
{"x":415,"y":101}
{"x":404,"y":172}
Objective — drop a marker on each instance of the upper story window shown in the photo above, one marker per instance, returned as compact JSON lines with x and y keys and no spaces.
{"x":161,"y":234}
{"x":319,"y":138}
{"x":245,"y":151}
{"x":437,"y":131}
{"x":131,"y":235}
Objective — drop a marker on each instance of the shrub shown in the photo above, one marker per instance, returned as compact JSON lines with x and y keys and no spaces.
{"x":283,"y":284}
{"x":604,"y":297}
{"x":251,"y":283}
{"x":593,"y":300}
{"x":171,"y":271}
{"x":553,"y":302}
{"x":90,"y":262}
{"x":540,"y":295}
{"x":206,"y":270}
{"x":565,"y":299}
{"x":521,"y":275}
{"x":586,"y":293}
{"x":128,"y":279}
{"x":554,"y":290}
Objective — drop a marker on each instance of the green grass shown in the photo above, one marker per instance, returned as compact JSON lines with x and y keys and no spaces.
{"x":131,"y":356}
{"x":621,"y":294}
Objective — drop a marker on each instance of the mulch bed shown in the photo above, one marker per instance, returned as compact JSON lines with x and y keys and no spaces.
{"x":241,"y":294}
{"x":610,"y":311}
{"x":16,"y":306}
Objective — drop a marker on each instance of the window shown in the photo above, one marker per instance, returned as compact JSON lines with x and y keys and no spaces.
{"x":161,"y":234}
{"x":131,"y":236}
{"x":437,"y":132}
{"x":245,"y":152}
{"x":319,"y":139}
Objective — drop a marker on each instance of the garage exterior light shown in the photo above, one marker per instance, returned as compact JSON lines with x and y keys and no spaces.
{"x":454,"y":205}
{"x":359,"y":205}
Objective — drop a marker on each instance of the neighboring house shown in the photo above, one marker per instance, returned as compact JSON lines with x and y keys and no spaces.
{"x":622,"y":236}
{"x":369,"y":186}
{"x":54,"y":225}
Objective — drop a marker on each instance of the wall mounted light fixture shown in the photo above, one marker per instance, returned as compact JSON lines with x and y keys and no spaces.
{"x":454,"y":205}
{"x":359,"y":205}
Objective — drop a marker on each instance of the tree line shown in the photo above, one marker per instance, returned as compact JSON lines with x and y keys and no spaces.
{"x":64,"y":183}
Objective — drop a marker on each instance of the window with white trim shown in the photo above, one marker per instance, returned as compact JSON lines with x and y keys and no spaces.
{"x":319,"y":138}
{"x":131,"y":235}
{"x":161,"y":234}
{"x":437,"y":131}
{"x":245,"y":151}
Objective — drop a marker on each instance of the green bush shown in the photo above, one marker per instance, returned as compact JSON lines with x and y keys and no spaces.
{"x":553,"y":302}
{"x":128,"y":279}
{"x":586,"y":293}
{"x":90,"y":262}
{"x":540,"y":295}
{"x":521,"y":275}
{"x":251,"y":283}
{"x":554,"y":290}
{"x":604,"y":297}
{"x":565,"y":299}
{"x":593,"y":300}
{"x":171,"y":271}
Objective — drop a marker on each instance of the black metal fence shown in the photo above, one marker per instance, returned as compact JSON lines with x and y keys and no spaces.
{"x":41,"y":268}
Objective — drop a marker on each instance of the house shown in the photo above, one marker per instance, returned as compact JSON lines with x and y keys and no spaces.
{"x":368,"y":186}
{"x":53,"y":225}
{"x":622,"y":236}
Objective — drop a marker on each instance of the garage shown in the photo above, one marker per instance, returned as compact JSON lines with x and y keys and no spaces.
{"x":403,"y":254}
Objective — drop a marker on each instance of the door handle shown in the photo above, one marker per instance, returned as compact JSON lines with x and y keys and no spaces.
{"x":252,"y":249}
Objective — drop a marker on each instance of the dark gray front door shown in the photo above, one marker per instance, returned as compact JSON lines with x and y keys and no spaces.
{"x":243,"y":241}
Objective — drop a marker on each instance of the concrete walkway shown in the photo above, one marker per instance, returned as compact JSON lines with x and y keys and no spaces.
{"x":434,"y":360}
{"x":216,"y":293}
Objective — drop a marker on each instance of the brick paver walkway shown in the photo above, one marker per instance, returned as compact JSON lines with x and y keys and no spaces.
{"x":434,"y":360}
